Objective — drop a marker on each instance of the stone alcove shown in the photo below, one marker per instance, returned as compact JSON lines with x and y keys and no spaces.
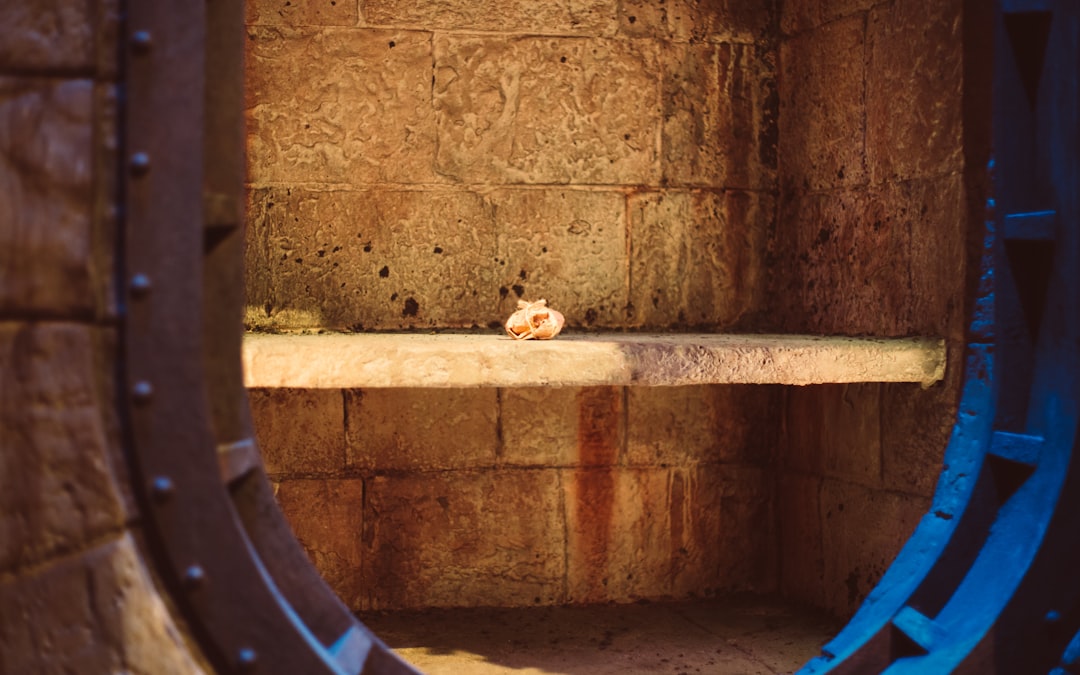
{"x":711,"y":166}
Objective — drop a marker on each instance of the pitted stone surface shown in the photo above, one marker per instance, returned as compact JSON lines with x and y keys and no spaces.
{"x":371,"y":259}
{"x":932,"y":209}
{"x":459,"y":360}
{"x":801,"y":15}
{"x":651,"y":533}
{"x":919,"y":425}
{"x":57,"y":489}
{"x":720,"y":115}
{"x":696,"y":257}
{"x":327,"y":517}
{"x":425,"y":430}
{"x":915,"y":55}
{"x":822,"y":115}
{"x":540,"y":426}
{"x":684,"y":426}
{"x":840,"y":432}
{"x":299,"y":430}
{"x":566,"y":246}
{"x":532,"y":17}
{"x":546,"y":110}
{"x":857,"y":548}
{"x":881,"y":261}
{"x":438,"y":539}
{"x":696,"y":20}
{"x":98,"y":612}
{"x":589,"y":95}
{"x":46,"y":137}
{"x":339,"y":105}
{"x":288,"y":13}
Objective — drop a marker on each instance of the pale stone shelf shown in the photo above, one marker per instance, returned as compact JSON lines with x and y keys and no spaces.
{"x":358,"y":360}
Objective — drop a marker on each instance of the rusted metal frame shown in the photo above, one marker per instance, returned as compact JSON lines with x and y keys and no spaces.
{"x":202,"y":552}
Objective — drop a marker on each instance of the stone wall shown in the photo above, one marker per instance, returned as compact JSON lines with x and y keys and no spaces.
{"x":871,"y":239}
{"x":75,"y":594}
{"x":469,"y":497}
{"x":417,"y":166}
{"x":425,"y":166}
{"x":662,"y":165}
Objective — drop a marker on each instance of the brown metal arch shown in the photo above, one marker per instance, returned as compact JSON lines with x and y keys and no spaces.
{"x":241,"y":581}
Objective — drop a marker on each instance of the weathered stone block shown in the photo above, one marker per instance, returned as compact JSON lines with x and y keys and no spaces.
{"x":619,"y":542}
{"x":720,"y":115}
{"x":539,"y":426}
{"x":302,"y":13}
{"x":338,"y":105}
{"x":798,"y":509}
{"x":748,"y":556}
{"x":850,"y":264}
{"x":681,"y":426}
{"x":822,"y":116}
{"x":97,"y":612}
{"x":914,"y":90}
{"x":47,"y":35}
{"x":696,"y":20}
{"x":800,"y":15}
{"x":835,"y":430}
{"x":932,"y":212}
{"x":915,"y":430}
{"x":46,"y":158}
{"x":567,"y":246}
{"x":595,"y":18}
{"x":862,"y":531}
{"x":464,"y":538}
{"x":57,"y":489}
{"x":421,"y":429}
{"x":885,"y":261}
{"x":656,"y":533}
{"x":299,"y":431}
{"x":565,"y":426}
{"x":697,"y":257}
{"x":546,"y":110}
{"x":327,"y":517}
{"x":370,"y":259}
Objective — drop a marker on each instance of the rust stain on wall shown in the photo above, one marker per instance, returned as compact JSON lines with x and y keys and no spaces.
{"x":677,"y":514}
{"x":599,"y":419}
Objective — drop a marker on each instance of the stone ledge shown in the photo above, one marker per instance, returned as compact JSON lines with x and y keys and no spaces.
{"x":359,"y":360}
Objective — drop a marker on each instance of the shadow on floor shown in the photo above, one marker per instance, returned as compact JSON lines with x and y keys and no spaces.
{"x":718,"y":636}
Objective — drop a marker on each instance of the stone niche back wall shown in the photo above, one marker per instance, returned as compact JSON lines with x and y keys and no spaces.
{"x":484,"y":497}
{"x":425,"y":168}
{"x":426,"y":165}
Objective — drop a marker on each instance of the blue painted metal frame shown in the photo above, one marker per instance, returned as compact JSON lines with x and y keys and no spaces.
{"x":990,"y":580}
